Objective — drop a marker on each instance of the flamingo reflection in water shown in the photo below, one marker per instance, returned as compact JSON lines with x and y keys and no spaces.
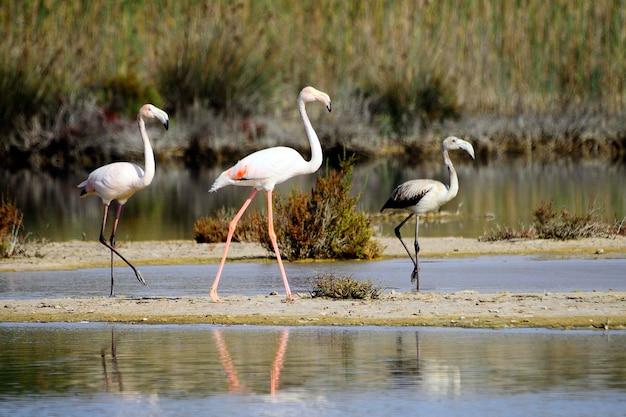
{"x":234,"y":386}
{"x":116,"y":374}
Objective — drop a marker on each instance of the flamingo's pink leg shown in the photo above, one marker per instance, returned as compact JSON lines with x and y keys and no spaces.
{"x":270,"y":227}
{"x":231,"y":229}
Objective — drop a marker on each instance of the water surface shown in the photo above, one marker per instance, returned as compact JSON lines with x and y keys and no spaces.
{"x":100,"y":369}
{"x":483,"y":274}
{"x":502,"y":194}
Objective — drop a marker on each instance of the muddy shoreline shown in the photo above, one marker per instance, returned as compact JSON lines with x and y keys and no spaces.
{"x":575,"y":310}
{"x":90,"y":254}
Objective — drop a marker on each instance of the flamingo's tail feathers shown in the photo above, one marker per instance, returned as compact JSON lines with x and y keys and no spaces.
{"x":83,"y":186}
{"x":222,"y":181}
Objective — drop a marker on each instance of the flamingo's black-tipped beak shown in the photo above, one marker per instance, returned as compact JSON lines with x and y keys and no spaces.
{"x":328,"y":107}
{"x":166,"y":124}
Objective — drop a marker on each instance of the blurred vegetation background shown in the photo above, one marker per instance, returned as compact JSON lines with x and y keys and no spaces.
{"x":513,"y":76}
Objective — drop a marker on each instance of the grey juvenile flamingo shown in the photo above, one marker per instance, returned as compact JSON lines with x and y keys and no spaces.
{"x":422,"y":196}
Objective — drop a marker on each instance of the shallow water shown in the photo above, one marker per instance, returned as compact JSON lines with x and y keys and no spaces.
{"x":99,"y":369}
{"x":503,"y":194}
{"x":483,"y":274}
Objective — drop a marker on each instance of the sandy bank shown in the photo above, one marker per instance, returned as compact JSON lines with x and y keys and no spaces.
{"x":593,"y":310}
{"x":87,"y":254}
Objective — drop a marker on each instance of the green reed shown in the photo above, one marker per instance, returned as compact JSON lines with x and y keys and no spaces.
{"x":474,"y":56}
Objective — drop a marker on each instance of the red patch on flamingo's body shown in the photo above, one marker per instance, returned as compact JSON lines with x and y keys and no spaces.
{"x":240,"y":173}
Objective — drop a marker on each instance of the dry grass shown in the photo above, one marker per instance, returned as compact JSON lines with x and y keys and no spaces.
{"x":392,"y":68}
{"x":214,"y":229}
{"x":344,"y":287}
{"x":551,"y":224}
{"x":493,"y":54}
{"x":10,"y":226}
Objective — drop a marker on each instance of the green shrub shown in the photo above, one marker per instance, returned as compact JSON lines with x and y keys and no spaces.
{"x":332,"y":286}
{"x":26,"y":89}
{"x":325,"y":223}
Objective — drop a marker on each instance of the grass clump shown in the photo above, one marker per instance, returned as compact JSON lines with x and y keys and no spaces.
{"x":507,"y":233}
{"x":214,"y":229}
{"x":551,"y":224}
{"x":561,"y":225}
{"x":10,"y":225}
{"x":345,"y":287}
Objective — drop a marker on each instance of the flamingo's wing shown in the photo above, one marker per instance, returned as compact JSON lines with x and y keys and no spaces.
{"x":413,"y":193}
{"x":263,"y":169}
{"x":116,"y":181}
{"x":267,"y":163}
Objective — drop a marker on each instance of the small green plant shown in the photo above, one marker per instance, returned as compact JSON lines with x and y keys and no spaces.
{"x":344,"y":287}
{"x":550,"y":224}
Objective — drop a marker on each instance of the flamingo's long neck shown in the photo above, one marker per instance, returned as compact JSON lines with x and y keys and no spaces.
{"x":454,"y":179}
{"x":316,"y":148}
{"x":149,"y":166}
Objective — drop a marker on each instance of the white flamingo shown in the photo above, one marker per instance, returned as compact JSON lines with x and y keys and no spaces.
{"x":120,"y":180}
{"x":266,"y":168}
{"x":422,"y":196}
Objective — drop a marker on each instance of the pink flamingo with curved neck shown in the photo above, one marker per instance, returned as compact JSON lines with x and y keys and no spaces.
{"x":120,"y":180}
{"x":263,"y":170}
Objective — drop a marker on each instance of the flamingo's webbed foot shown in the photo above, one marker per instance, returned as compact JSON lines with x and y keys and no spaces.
{"x":214,"y":296}
{"x":140,"y":277}
{"x":415,"y":278}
